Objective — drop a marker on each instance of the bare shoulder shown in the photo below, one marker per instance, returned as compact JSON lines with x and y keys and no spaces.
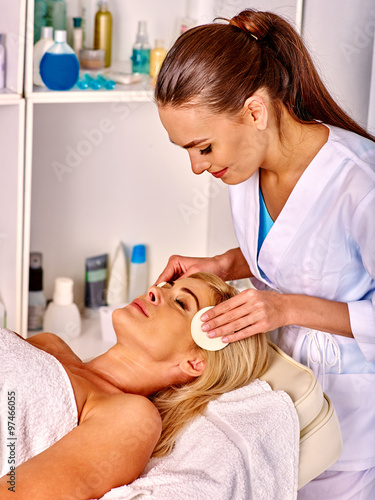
{"x":50,"y":343}
{"x":128,"y":409}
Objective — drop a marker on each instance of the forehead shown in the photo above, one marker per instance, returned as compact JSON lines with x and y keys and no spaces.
{"x":185,"y":124}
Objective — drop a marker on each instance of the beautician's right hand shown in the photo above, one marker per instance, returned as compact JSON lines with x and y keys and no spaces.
{"x":181,"y":267}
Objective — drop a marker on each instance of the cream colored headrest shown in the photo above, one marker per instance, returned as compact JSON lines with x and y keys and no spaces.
{"x":200,"y":337}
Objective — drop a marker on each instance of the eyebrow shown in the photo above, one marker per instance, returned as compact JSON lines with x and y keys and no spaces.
{"x":192,"y":143}
{"x":187,"y":290}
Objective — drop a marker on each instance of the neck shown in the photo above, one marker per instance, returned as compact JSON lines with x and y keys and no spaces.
{"x":126,"y":374}
{"x":292,"y":147}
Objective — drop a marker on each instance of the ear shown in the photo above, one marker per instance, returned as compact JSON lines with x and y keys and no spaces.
{"x":256,"y":111}
{"x":193,"y":366}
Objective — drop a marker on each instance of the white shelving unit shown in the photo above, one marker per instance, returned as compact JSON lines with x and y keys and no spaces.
{"x":12,"y":125}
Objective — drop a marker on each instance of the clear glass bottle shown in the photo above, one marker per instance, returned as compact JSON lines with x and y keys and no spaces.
{"x":56,"y":14}
{"x":103,"y":31}
{"x":40,"y":13}
{"x":77,"y":35}
{"x":59,"y":67}
{"x":37,"y":299}
{"x":141,"y":50}
{"x":62,"y":316}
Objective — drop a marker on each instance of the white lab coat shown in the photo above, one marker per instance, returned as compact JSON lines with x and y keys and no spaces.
{"x":323,"y":244}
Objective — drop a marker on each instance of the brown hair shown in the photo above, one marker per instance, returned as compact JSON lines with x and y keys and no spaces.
{"x":235,"y":366}
{"x":220,"y":65}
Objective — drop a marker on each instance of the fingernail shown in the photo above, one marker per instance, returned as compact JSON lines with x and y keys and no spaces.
{"x":204,"y":317}
{"x":205,"y":327}
{"x":211,"y":334}
{"x":225,"y":339}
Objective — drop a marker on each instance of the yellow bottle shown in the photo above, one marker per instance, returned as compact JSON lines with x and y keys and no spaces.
{"x":103,"y":31}
{"x":157,"y":57}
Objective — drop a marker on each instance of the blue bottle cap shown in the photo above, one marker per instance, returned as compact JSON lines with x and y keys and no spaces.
{"x":139,"y":254}
{"x":77,"y":21}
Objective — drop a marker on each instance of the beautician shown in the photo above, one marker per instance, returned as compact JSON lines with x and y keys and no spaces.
{"x":245,"y":101}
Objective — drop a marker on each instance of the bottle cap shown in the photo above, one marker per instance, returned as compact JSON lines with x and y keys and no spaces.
{"x":46,"y":32}
{"x":77,"y":21}
{"x":139,"y":254}
{"x":63,"y":292}
{"x":35,"y":272}
{"x":60,"y":36}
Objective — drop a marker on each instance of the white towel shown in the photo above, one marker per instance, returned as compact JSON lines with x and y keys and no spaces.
{"x":246,"y":446}
{"x":45,"y":408}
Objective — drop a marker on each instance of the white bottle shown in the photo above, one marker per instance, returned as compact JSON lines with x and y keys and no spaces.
{"x":40,"y":48}
{"x":117,"y":291}
{"x":138,"y":276}
{"x":62,"y":315}
{"x":2,"y":63}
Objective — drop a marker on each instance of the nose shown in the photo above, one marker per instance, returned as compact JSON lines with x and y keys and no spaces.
{"x":155,"y":295}
{"x":198,"y":163}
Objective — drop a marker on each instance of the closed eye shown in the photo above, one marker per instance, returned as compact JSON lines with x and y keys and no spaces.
{"x":206,"y":151}
{"x":181,"y":303}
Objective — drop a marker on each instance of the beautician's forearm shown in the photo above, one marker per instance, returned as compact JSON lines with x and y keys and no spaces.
{"x":233,"y":265}
{"x":317,"y":314}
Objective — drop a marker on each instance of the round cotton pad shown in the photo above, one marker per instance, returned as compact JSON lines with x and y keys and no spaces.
{"x":200,"y":338}
{"x":162,"y":283}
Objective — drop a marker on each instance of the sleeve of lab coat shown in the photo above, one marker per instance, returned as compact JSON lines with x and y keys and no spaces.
{"x":362,"y":312}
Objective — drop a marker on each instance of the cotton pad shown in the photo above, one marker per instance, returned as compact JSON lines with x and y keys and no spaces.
{"x":162,"y":283}
{"x":200,"y":338}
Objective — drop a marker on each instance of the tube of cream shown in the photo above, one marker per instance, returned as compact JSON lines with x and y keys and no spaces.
{"x":96,"y":279}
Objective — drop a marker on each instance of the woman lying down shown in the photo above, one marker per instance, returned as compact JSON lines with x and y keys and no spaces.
{"x":75,"y":430}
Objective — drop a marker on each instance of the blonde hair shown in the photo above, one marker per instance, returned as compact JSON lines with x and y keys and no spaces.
{"x":235,"y":366}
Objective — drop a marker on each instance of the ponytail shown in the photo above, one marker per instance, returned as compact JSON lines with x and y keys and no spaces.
{"x":220,"y":65}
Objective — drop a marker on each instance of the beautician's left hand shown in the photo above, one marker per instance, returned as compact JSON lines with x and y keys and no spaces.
{"x":249,"y":312}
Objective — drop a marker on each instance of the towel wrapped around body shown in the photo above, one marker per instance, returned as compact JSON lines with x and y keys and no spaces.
{"x":245,"y":446}
{"x":37,"y":404}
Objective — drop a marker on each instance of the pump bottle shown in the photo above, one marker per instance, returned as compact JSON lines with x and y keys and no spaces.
{"x":37,"y":299}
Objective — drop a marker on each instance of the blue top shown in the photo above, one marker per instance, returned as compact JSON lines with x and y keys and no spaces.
{"x":265,"y":221}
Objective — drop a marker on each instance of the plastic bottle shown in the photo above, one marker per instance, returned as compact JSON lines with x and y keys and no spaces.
{"x":2,"y":63}
{"x":138,"y":276}
{"x":141,"y":50}
{"x":59,"y":67}
{"x":56,"y":14}
{"x":117,"y":290}
{"x":77,"y":35}
{"x":37,"y":299}
{"x":40,"y":48}
{"x":157,"y":57}
{"x":40,"y":13}
{"x":103,"y":31}
{"x":62,"y":315}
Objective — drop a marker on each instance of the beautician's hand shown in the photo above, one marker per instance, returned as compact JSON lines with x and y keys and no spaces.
{"x":181,"y":267}
{"x":228,"y":266}
{"x":248,"y":313}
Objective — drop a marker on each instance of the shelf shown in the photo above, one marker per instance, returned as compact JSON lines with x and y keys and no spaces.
{"x":8,"y":97}
{"x":123,"y":93}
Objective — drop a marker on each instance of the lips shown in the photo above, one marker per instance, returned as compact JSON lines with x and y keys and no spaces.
{"x":138,"y":304}
{"x":220,"y":173}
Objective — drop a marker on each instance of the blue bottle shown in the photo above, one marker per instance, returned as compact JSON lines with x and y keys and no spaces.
{"x":59,"y":67}
{"x":141,"y":50}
